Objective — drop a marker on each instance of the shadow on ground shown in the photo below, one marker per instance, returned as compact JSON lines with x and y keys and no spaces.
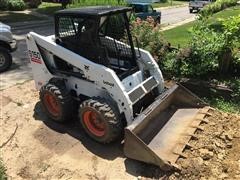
{"x":137,"y":168}
{"x":74,"y":129}
{"x":105,"y":151}
{"x":12,"y":17}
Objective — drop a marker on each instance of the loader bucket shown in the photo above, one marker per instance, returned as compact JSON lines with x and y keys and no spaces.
{"x":162,"y":131}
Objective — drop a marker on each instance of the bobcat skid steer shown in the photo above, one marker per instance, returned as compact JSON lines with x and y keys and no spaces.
{"x":91,"y":60}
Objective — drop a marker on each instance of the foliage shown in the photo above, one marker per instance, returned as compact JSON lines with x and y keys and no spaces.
{"x":78,"y":3}
{"x":207,"y":49}
{"x":16,"y":5}
{"x":3,"y":175}
{"x":12,"y":5}
{"x":202,"y":55}
{"x":224,"y":105}
{"x":217,"y":6}
{"x":3,"y":4}
{"x":231,"y":30}
{"x":181,"y":35}
{"x":231,"y":104}
{"x":236,"y":55}
{"x":149,"y":37}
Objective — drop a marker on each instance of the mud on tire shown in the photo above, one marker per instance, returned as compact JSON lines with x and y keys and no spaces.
{"x":100,"y":121}
{"x":56,"y":101}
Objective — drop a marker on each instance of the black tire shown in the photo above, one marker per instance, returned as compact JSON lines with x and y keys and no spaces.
{"x":5,"y":59}
{"x":191,"y":11}
{"x":62,"y":98}
{"x":158,"y":20}
{"x":107,"y":115}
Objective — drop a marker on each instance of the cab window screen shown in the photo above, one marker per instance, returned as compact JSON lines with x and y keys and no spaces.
{"x":69,"y":26}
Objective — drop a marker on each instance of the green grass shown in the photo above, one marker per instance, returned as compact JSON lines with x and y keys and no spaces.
{"x":10,"y":17}
{"x":231,"y":105}
{"x":181,"y":34}
{"x":168,"y":3}
{"x":224,"y":105}
{"x":3,"y":175}
{"x":49,"y":8}
{"x":79,"y":3}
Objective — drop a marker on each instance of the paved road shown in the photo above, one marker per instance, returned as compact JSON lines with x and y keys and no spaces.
{"x":175,"y":15}
{"x":21,"y":70}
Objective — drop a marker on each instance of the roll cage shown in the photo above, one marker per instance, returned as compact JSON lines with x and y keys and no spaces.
{"x":100,"y":34}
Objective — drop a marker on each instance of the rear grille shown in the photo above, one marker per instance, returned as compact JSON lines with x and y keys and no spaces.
{"x":136,"y":94}
{"x":150,"y":84}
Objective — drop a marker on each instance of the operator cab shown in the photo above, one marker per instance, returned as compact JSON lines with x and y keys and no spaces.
{"x":100,"y":34}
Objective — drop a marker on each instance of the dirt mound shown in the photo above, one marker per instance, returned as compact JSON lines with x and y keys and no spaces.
{"x":33,"y":147}
{"x":215,"y":155}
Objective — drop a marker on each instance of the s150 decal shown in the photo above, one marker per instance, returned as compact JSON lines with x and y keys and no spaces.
{"x":35,"y":57}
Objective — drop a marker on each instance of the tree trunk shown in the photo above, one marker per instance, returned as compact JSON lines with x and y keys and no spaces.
{"x":225,"y":61}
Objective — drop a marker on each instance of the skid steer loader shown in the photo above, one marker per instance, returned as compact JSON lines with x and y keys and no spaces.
{"x":91,"y":60}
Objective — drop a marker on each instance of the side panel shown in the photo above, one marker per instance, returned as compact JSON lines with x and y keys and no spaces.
{"x":86,"y":88}
{"x":103,"y":78}
{"x":41,"y":75}
{"x":146,"y":62}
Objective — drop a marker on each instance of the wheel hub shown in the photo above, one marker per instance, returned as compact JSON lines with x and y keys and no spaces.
{"x":52,"y":104}
{"x":94,"y":123}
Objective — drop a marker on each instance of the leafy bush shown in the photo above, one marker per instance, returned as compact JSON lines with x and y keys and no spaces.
{"x":209,"y":51}
{"x":149,"y":37}
{"x":33,"y":3}
{"x":200,"y":58}
{"x":3,"y":4}
{"x":13,"y":5}
{"x":16,"y":5}
{"x":217,"y":6}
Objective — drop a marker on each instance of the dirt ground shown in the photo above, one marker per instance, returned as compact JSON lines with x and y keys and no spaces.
{"x":33,"y":147}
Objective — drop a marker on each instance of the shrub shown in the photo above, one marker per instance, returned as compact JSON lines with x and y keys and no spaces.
{"x":16,"y":5}
{"x":200,"y":58}
{"x":217,"y":6}
{"x":209,"y":51}
{"x":149,"y":37}
{"x":3,"y":4}
{"x":33,"y":3}
{"x":12,"y":5}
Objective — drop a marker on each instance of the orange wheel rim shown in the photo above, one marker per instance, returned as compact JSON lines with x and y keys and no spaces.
{"x":94,"y":123}
{"x":52,"y":104}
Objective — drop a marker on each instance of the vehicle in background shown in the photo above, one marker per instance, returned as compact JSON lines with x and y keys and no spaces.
{"x":197,"y":5}
{"x":7,"y":45}
{"x":144,"y":10}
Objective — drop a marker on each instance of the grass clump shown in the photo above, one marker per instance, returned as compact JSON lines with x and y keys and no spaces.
{"x":3,"y":175}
